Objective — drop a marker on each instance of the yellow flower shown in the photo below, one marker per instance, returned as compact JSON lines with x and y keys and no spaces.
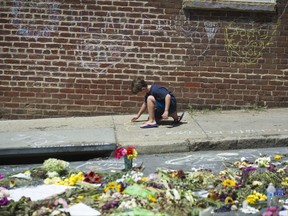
{"x":144,"y":179}
{"x":71,"y":180}
{"x":27,"y":172}
{"x":278,"y":157}
{"x":285,"y":182}
{"x":80,"y":197}
{"x":12,"y":183}
{"x":119,"y":187}
{"x":173,"y":174}
{"x":259,"y":196}
{"x":229,"y":200}
{"x":133,"y":155}
{"x":251,"y":199}
{"x":262,"y":197}
{"x":213,"y":196}
{"x":201,"y":204}
{"x":255,"y":196}
{"x":109,"y":186}
{"x":229,"y":183}
{"x":152,"y":198}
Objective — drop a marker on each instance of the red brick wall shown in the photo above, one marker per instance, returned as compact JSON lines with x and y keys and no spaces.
{"x":78,"y":57}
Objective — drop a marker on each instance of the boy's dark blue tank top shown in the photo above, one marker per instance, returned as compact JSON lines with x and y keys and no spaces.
{"x":159,"y":93}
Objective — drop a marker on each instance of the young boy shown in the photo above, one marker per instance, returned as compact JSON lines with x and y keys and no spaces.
{"x":158,"y":100}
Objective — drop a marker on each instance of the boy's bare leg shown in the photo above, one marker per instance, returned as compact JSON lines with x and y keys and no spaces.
{"x":174,"y":116}
{"x":151,"y":109}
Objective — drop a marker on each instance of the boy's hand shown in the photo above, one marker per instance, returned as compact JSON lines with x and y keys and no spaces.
{"x":165,"y":115}
{"x":134,"y":118}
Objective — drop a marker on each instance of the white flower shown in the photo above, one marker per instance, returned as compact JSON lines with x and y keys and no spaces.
{"x":128,"y":204}
{"x":4,"y":192}
{"x":257,"y":183}
{"x":51,"y":180}
{"x":135,"y":176}
{"x":169,"y":195}
{"x":53,"y":164}
{"x":55,"y":213}
{"x":52,"y":174}
{"x":176,"y":194}
{"x":263,"y":161}
{"x":249,"y":210}
{"x":189,"y":196}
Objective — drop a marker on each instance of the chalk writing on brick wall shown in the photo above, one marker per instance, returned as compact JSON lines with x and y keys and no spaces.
{"x":100,"y":53}
{"x":247,"y":45}
{"x":103,"y":47}
{"x":35,"y":18}
{"x":192,"y":30}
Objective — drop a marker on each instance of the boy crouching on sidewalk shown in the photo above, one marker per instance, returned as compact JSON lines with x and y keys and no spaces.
{"x":158,"y":100}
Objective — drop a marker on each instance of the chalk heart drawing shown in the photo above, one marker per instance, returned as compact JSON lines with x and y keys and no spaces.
{"x":100,"y":53}
{"x":246,"y":45}
{"x":193,"y":31}
{"x":35,"y":18}
{"x":211,"y":28}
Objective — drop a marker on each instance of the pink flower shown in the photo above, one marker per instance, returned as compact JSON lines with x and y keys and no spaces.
{"x":271,"y":211}
{"x":62,"y":202}
{"x":120,"y":152}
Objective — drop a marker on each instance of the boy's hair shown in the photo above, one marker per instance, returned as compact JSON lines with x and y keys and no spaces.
{"x":137,"y":85}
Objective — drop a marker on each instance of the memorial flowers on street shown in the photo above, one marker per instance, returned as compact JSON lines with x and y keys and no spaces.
{"x":129,"y":153}
{"x":241,"y":186}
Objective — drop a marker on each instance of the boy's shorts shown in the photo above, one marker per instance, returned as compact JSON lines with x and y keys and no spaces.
{"x":160,"y":108}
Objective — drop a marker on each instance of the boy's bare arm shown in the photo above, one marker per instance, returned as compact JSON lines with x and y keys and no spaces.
{"x":141,"y":111}
{"x":167,"y":106}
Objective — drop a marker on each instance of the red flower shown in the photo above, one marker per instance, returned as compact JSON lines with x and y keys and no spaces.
{"x":130,"y":150}
{"x":92,"y":177}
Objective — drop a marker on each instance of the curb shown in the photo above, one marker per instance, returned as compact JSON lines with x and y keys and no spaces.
{"x":210,"y":145}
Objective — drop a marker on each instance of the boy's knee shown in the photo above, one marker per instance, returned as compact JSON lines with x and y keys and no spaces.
{"x":151,"y":98}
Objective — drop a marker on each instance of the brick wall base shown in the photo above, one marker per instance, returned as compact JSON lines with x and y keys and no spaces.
{"x":78,"y":57}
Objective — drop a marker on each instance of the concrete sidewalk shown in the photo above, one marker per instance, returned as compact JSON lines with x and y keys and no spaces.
{"x":213,"y":130}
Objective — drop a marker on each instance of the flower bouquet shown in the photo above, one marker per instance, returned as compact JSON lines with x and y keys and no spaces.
{"x":129,"y":153}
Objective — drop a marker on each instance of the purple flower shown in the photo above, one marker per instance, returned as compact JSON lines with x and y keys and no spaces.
{"x":109,"y":205}
{"x":1,"y":176}
{"x":4,"y":201}
{"x":248,"y":169}
{"x":272,"y":168}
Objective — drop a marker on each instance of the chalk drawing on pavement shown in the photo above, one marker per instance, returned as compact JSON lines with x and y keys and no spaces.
{"x":208,"y":161}
{"x":229,"y":132}
{"x":104,"y":165}
{"x":194,"y":159}
{"x":35,"y":141}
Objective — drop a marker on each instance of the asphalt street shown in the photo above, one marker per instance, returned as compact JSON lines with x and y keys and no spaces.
{"x":214,"y":160}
